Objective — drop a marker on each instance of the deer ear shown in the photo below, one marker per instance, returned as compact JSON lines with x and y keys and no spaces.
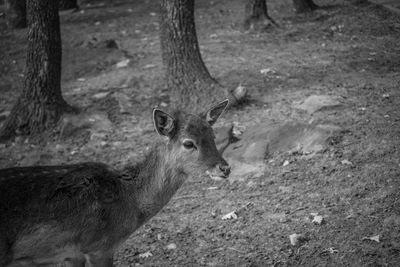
{"x":212,"y":115}
{"x":163,"y":122}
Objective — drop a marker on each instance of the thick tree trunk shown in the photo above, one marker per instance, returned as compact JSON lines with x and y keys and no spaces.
{"x":40,"y":104}
{"x":15,"y":13}
{"x":256,"y":15}
{"x":187,"y":77}
{"x":68,"y":4}
{"x":303,"y":6}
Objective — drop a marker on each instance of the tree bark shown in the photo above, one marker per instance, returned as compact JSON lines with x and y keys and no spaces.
{"x":40,"y":103}
{"x":187,"y":77}
{"x":15,"y":13}
{"x":303,"y":6}
{"x":68,"y":4}
{"x":256,"y":15}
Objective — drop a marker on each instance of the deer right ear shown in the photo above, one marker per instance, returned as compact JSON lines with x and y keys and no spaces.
{"x":163,"y":122}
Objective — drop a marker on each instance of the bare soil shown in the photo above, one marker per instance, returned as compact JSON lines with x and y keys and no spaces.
{"x":346,"y":51}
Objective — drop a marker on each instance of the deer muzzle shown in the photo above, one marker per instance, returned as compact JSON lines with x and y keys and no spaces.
{"x":220,"y":171}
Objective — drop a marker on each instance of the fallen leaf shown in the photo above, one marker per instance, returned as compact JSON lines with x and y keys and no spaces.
{"x":331,"y":250}
{"x":149,"y":66}
{"x":296,"y":239}
{"x":267,"y":71}
{"x":123,"y":63}
{"x":375,"y":238}
{"x":171,"y":246}
{"x":318,"y":219}
{"x":230,"y":216}
{"x":346,"y":162}
{"x":145,"y":255}
{"x":212,"y":188}
{"x":100,"y":95}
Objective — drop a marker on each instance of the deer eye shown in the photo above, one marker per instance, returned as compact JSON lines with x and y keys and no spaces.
{"x":189,"y":144}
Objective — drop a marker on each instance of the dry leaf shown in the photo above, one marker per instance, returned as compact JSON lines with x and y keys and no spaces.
{"x":318,"y":219}
{"x":122,"y":64}
{"x":171,"y":246}
{"x":145,"y":255}
{"x":296,"y":239}
{"x":267,"y":71}
{"x":230,"y":216}
{"x":375,"y":238}
{"x":346,"y":162}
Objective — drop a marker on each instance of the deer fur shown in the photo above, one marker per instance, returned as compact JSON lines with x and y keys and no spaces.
{"x":80,"y":214}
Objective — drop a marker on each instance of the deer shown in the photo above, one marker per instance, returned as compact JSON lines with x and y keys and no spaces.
{"x":78,"y":215}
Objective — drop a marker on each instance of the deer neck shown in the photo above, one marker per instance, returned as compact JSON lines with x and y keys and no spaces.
{"x":156,"y":180}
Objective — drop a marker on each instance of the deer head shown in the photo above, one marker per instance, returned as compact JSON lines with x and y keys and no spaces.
{"x":191,"y":140}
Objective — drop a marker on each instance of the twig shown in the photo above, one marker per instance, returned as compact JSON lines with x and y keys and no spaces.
{"x":237,"y":250}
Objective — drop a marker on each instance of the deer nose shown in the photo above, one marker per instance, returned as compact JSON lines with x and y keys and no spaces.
{"x":225,"y":169}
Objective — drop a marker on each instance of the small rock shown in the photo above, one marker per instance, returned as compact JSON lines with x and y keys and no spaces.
{"x":285,"y":163}
{"x":240,"y":92}
{"x":238,"y":129}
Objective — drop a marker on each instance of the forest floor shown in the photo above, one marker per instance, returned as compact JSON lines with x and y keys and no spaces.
{"x":320,"y":132}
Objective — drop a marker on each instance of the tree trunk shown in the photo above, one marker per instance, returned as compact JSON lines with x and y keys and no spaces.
{"x":187,"y":77}
{"x":40,"y":104}
{"x":303,"y":6}
{"x":256,"y":15}
{"x":68,"y":4}
{"x":15,"y":13}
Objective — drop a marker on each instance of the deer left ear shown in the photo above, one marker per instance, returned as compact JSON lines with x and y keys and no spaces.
{"x":212,"y":115}
{"x":163,"y":122}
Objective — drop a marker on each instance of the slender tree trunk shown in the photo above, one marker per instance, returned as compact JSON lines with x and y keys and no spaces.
{"x":303,"y":6}
{"x":256,"y":15}
{"x":15,"y":13}
{"x":40,"y":104}
{"x":68,"y":4}
{"x":187,"y":77}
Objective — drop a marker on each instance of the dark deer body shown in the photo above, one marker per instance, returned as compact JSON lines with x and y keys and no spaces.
{"x":79,"y":214}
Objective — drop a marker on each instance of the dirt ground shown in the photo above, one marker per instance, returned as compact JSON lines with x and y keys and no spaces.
{"x":347,"y":52}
